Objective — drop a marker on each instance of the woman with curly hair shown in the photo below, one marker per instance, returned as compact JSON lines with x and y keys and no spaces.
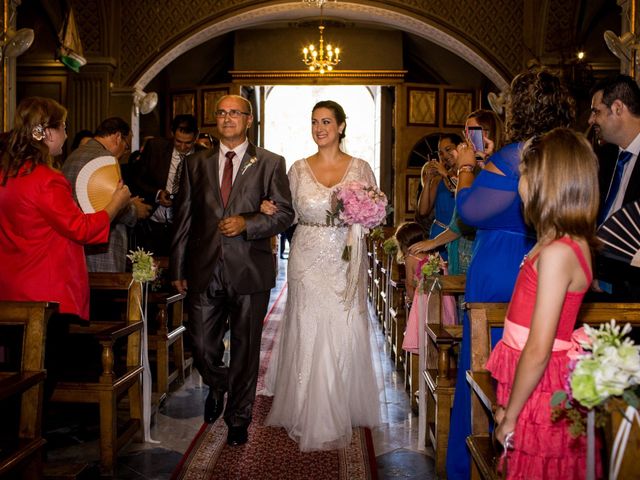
{"x":538,"y":102}
{"x":42,"y":230}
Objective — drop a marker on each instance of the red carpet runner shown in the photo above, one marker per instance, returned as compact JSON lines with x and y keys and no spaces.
{"x":270,"y":453}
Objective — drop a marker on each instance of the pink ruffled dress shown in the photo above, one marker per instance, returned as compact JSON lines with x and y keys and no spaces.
{"x":542,"y":449}
{"x":411,"y":342}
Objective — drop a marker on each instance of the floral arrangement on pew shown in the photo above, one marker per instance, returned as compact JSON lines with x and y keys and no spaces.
{"x":390,"y":246}
{"x":607,"y":370}
{"x":361,"y":207}
{"x":144,"y":271}
{"x":376,"y":234}
{"x":433,"y":266}
{"x":144,"y":267}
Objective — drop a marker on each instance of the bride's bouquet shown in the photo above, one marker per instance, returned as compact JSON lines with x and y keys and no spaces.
{"x":358,"y":203}
{"x":360,"y":207}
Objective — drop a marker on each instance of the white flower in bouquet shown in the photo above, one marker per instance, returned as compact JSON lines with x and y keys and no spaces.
{"x":144,"y":267}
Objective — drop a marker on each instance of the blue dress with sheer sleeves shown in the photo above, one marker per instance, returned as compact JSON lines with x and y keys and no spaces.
{"x":493,"y":206}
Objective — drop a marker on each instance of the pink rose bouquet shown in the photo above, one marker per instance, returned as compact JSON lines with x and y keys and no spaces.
{"x":358,"y":203}
{"x":360,"y":207}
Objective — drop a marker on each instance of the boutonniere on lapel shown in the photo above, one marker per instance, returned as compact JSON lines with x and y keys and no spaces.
{"x":252,"y":161}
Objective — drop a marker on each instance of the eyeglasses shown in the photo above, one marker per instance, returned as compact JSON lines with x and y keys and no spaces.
{"x":231,"y":113}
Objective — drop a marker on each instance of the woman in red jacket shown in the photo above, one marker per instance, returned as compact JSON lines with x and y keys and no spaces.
{"x":42,"y":230}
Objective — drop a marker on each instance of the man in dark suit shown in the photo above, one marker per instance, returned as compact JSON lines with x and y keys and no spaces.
{"x":221,"y":251}
{"x":615,"y":115}
{"x":155,"y":179}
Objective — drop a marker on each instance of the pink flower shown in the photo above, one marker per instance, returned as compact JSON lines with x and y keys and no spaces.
{"x":359,"y":203}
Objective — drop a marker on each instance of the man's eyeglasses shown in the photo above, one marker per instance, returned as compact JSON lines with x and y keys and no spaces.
{"x":231,"y":113}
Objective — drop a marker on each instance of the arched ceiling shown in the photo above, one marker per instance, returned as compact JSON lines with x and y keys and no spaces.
{"x":293,"y":11}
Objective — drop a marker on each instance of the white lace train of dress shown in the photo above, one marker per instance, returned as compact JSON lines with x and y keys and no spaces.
{"x":322,"y":370}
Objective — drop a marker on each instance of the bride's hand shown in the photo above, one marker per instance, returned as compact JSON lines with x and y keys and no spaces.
{"x":268,"y":207}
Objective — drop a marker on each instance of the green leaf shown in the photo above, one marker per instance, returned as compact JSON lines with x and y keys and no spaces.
{"x":558,"y":397}
{"x":631,"y":398}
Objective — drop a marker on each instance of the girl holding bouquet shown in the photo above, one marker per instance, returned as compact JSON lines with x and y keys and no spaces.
{"x":322,"y":370}
{"x":559,"y":189}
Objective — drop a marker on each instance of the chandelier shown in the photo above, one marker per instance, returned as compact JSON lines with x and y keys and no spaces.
{"x":320,"y":60}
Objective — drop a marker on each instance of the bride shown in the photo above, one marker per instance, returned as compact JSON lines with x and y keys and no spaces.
{"x":322,"y":373}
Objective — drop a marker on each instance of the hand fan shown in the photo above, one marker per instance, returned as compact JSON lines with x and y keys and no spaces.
{"x":620,"y":234}
{"x":96,"y":182}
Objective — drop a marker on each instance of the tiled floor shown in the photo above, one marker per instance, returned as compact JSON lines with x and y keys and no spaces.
{"x":180,"y":417}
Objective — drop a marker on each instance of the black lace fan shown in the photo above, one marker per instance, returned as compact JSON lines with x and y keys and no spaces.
{"x":620,"y":234}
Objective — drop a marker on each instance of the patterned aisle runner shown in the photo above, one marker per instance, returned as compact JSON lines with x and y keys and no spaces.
{"x":270,"y":453}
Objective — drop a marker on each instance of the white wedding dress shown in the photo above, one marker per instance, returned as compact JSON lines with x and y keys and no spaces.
{"x":322,"y":374}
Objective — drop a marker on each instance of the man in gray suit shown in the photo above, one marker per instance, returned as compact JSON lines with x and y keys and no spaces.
{"x":112,"y":138}
{"x":221,"y":251}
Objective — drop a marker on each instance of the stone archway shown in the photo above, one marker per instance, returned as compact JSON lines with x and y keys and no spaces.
{"x":349,"y":11}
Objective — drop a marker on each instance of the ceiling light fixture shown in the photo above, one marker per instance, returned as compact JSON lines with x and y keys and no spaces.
{"x":320,"y":60}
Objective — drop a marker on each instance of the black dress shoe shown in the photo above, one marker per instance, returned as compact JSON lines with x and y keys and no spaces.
{"x":213,"y":406}
{"x":237,"y":436}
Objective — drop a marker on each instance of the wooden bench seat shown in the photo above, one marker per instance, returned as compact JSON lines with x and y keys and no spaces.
{"x":485,"y":316}
{"x":107,"y":383}
{"x":22,"y":452}
{"x":167,"y":337}
{"x":438,"y":367}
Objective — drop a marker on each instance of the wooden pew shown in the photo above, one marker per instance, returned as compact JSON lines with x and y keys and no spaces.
{"x":26,"y":385}
{"x":170,"y":328}
{"x":107,"y":386}
{"x":168,"y":337}
{"x":483,"y":317}
{"x":438,"y":366}
{"x":396,"y":318}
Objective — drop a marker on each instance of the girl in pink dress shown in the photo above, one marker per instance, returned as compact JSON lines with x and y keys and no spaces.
{"x":559,"y":189}
{"x":406,"y":235}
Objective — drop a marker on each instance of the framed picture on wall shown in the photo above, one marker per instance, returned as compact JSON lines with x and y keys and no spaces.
{"x":422,"y":106}
{"x":412,"y":186}
{"x":183,"y":103}
{"x":458,"y":104}
{"x":209,"y":99}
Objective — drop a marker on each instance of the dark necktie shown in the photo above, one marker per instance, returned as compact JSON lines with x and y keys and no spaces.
{"x":623,"y":159}
{"x":227,"y":178}
{"x":177,"y":176}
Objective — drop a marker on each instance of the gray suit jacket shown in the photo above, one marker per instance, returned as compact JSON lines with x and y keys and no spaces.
{"x":111,"y":257}
{"x":197,"y":247}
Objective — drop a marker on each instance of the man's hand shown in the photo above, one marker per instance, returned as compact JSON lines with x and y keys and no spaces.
{"x":180,"y":286}
{"x":163,"y":198}
{"x":232,"y":226}
{"x":142,"y":209}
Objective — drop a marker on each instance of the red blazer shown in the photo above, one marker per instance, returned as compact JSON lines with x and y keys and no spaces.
{"x":42,"y":233}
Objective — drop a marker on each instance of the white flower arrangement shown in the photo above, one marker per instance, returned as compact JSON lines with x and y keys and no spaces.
{"x":609,"y":368}
{"x":144,"y":267}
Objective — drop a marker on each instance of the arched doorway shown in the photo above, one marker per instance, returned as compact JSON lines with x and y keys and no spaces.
{"x":288,"y":125}
{"x":282,"y":12}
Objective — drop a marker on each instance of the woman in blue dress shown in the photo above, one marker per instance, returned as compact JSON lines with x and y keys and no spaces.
{"x":538,"y":102}
{"x":439,"y":187}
